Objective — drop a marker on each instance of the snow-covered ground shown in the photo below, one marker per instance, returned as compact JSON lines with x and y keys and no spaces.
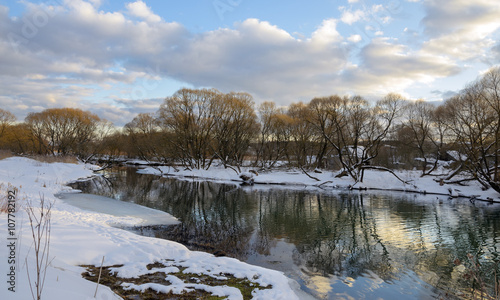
{"x":83,"y":236}
{"x":373,"y":179}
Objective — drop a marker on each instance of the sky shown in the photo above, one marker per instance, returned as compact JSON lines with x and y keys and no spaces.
{"x":121,"y":58}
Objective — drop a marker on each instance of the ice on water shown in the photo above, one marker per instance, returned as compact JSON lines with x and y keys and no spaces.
{"x":120,"y":209}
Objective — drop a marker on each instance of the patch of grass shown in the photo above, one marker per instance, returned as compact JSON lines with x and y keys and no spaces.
{"x":53,"y":159}
{"x":111,"y":280}
{"x":5,"y":154}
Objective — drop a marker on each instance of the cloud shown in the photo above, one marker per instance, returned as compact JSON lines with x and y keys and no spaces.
{"x":141,"y":10}
{"x":375,"y":14}
{"x":355,"y":38}
{"x":389,"y":66}
{"x":96,"y":3}
{"x":326,"y":33}
{"x":350,"y":17}
{"x":461,"y":29}
{"x":444,"y":94}
{"x":495,"y":56}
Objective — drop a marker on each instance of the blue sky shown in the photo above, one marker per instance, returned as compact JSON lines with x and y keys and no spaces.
{"x":120,"y":58}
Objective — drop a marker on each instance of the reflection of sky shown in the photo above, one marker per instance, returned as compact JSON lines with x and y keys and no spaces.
{"x":370,"y":286}
{"x":279,"y":258}
{"x":419,"y":231}
{"x":394,"y":230}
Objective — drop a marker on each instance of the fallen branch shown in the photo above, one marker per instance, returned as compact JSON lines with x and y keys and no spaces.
{"x":387,"y":170}
{"x":312,"y":177}
{"x":460,"y":181}
{"x":107,"y":166}
{"x":319,"y":185}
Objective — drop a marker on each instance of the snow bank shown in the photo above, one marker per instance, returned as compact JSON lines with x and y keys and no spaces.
{"x":373,"y":179}
{"x":83,"y":236}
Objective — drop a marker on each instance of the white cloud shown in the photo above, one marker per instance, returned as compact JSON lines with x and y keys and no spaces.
{"x":388,"y":66}
{"x":326,"y":33}
{"x":461,"y":29}
{"x":355,"y":38}
{"x":141,"y":10}
{"x":351,"y":17}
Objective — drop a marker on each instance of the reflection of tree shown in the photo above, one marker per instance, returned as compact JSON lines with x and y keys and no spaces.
{"x":215,"y":218}
{"x":212,"y":219}
{"x":332,"y":234}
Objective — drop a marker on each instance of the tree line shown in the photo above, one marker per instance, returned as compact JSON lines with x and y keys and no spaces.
{"x":196,"y":128}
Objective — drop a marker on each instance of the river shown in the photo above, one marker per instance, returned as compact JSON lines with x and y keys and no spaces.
{"x":336,"y":244}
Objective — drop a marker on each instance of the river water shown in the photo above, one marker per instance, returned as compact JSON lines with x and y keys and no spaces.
{"x":335,"y":244}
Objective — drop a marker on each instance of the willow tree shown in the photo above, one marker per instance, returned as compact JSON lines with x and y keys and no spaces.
{"x":234,"y":129}
{"x":62,"y":131}
{"x":6,"y":120}
{"x":207,"y":125}
{"x":148,"y":140}
{"x":301,"y":134}
{"x":189,"y":116}
{"x":274,"y":135}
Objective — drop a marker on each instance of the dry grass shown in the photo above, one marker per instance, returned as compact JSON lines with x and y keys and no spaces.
{"x":53,"y":159}
{"x":4,"y":197}
{"x":43,"y":158}
{"x":5,"y":154}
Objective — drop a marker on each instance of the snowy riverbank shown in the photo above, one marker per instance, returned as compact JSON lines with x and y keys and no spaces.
{"x":373,"y":180}
{"x":83,"y":237}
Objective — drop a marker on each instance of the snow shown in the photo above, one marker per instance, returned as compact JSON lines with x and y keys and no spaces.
{"x":81,"y":234}
{"x":373,"y":179}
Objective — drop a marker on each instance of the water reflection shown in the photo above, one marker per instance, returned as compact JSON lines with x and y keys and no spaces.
{"x":335,"y":244}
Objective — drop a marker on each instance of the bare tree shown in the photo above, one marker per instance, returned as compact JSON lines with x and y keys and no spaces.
{"x":354,"y":129}
{"x":329,"y":119}
{"x":490,"y":84}
{"x":473,"y":117}
{"x":426,"y":133}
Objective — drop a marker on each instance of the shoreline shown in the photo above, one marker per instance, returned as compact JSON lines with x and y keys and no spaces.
{"x":374,"y":182}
